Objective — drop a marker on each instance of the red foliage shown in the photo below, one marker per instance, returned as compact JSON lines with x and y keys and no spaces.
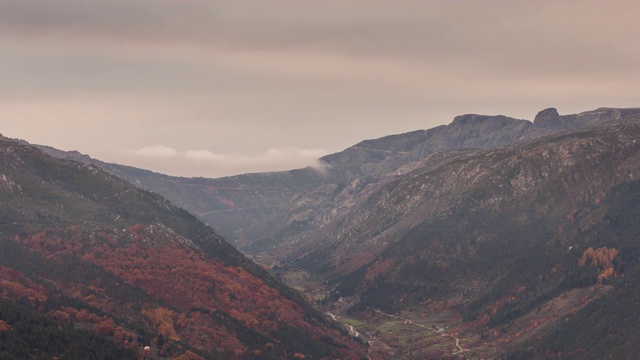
{"x":172,"y":268}
{"x":14,"y":285}
{"x":202,"y":332}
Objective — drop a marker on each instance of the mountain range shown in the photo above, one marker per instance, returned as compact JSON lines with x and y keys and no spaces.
{"x":237,"y":205}
{"x":490,"y":237}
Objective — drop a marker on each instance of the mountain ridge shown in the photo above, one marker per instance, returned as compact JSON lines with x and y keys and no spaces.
{"x":234,"y":204}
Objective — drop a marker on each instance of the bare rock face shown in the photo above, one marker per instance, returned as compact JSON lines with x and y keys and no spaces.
{"x":548,"y":118}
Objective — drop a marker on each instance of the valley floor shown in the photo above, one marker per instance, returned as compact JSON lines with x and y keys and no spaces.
{"x":435,"y":330}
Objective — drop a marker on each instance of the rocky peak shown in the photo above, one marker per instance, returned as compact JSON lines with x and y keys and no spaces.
{"x":469,"y":119}
{"x":484,"y":121}
{"x":547,"y":118}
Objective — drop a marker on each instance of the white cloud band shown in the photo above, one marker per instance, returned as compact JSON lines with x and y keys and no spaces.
{"x":198,"y":162}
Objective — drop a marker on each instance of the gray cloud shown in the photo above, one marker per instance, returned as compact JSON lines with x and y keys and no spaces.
{"x":546,"y":35}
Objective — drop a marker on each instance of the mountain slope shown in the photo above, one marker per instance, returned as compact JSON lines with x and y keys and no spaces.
{"x":438,"y":186}
{"x":90,"y":250}
{"x":500,"y":238}
{"x":227,"y":204}
{"x":309,"y":211}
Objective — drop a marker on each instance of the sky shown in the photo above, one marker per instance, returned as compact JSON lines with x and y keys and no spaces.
{"x":215,"y":88}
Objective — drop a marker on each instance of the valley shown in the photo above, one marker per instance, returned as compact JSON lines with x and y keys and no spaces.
{"x":456,"y":242}
{"x":436,"y":329}
{"x":487,"y":238}
{"x":319,"y":180}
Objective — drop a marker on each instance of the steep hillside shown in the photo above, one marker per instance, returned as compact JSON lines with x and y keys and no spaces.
{"x":92,"y":252}
{"x":442,"y":186}
{"x":228,"y":204}
{"x":308,"y":211}
{"x":506,"y":241}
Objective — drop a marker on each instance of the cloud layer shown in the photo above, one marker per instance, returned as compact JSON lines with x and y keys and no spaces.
{"x":210,"y":164}
{"x":238,"y":77}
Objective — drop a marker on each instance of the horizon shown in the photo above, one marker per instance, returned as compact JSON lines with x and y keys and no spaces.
{"x":316,"y":165}
{"x":220,"y":88}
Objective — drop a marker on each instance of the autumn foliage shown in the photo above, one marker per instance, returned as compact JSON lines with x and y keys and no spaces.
{"x":14,"y":285}
{"x":602,"y":259}
{"x":194,"y":290}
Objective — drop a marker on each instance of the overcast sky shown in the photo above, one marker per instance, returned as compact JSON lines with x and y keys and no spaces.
{"x":213,"y":88}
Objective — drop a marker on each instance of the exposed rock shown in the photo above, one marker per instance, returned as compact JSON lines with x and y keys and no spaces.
{"x":7,"y":184}
{"x":548,"y":118}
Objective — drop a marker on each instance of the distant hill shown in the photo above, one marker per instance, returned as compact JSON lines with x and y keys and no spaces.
{"x":230,"y":205}
{"x":99,"y":268}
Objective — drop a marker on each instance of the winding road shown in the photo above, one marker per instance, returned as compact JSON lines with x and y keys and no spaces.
{"x":409,"y":322}
{"x":351,"y":329}
{"x":406,"y":321}
{"x":116,"y":194}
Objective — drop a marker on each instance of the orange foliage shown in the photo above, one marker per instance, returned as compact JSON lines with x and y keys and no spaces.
{"x":606,"y":274}
{"x":174,"y":270}
{"x":163,"y":320}
{"x":203,"y":332}
{"x":4,"y":326}
{"x":103,"y":325}
{"x":105,"y":328}
{"x":602,"y":259}
{"x":14,"y":285}
{"x":59,"y":316}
